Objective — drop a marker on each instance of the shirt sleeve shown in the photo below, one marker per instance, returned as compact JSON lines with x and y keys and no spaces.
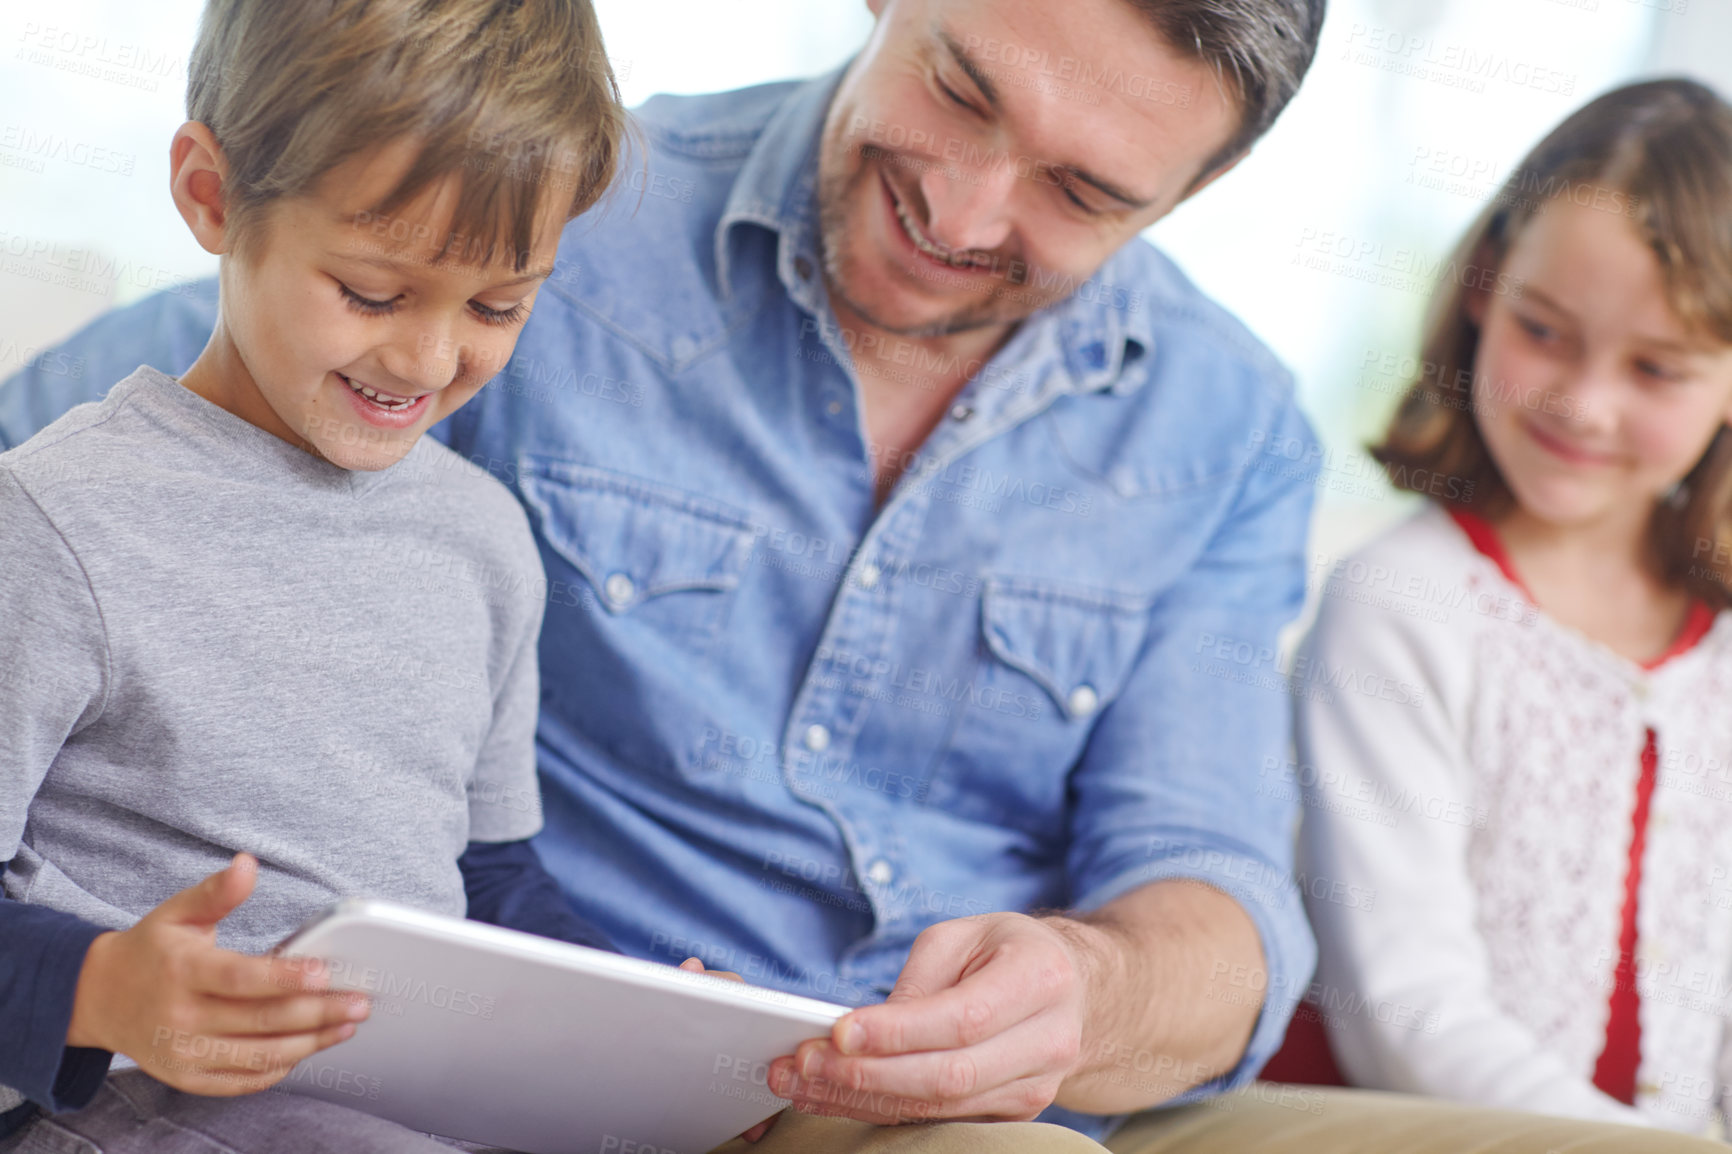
{"x":165,"y":330}
{"x":52,"y":684}
{"x":1170,"y":784}
{"x":508,"y":886}
{"x":504,"y":799}
{"x":1404,"y":982}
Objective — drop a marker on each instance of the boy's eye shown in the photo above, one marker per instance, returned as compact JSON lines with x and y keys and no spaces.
{"x":367,"y":305}
{"x":489,"y":316}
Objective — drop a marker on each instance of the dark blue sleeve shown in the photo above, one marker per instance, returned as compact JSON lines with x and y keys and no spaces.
{"x":41,"y":955}
{"x":508,"y":886}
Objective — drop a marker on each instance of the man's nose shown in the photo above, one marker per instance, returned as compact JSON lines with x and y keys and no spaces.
{"x":969,"y":208}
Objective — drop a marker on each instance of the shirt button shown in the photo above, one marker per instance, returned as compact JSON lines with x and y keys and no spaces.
{"x":619,"y":588}
{"x":1640,"y":689}
{"x":682,"y":348}
{"x":803,"y":268}
{"x":835,"y":408}
{"x":869,"y":574}
{"x":1083,"y":700}
{"x":880,"y":873}
{"x":961,"y":413}
{"x":817,"y":738}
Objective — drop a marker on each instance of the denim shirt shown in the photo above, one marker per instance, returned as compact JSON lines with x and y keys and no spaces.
{"x":786,"y":729}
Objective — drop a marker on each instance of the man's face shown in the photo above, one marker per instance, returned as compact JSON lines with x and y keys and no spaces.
{"x":982,"y":158}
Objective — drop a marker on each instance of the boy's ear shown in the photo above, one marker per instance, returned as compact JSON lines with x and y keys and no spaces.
{"x":197,"y":172}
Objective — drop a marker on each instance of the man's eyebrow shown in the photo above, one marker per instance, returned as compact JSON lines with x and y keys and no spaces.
{"x":386,"y":262}
{"x":988,"y":91}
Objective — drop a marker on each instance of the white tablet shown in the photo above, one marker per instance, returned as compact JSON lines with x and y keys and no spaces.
{"x":500,"y":1037}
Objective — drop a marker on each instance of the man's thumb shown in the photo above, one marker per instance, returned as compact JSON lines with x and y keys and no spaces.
{"x":213,"y":899}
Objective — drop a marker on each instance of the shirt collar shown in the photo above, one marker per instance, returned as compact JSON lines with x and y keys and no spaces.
{"x":1102,"y":327}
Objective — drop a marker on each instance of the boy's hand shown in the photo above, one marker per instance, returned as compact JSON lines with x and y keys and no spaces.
{"x":201,"y":1019}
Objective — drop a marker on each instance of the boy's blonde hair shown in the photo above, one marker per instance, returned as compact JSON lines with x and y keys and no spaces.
{"x":1658,"y":154}
{"x":516,"y":97}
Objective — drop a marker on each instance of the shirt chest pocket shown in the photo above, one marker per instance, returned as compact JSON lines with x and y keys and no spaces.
{"x":650,"y":555}
{"x":1055,"y":655}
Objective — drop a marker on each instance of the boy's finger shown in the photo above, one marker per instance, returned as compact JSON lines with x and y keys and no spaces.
{"x":213,"y":899}
{"x":274,"y":1017}
{"x":225,"y":974}
{"x":270,"y":1058}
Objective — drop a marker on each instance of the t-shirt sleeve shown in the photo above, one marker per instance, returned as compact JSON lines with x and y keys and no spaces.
{"x":52,"y":684}
{"x":504,"y":802}
{"x":54,"y":677}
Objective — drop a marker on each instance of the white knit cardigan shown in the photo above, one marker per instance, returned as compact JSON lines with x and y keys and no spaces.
{"x":1469,"y":770}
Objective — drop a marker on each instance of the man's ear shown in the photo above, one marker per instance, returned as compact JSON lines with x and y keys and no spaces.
{"x":197,"y":174}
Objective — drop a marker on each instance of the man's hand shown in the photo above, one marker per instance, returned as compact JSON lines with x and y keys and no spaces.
{"x":986,"y":1022}
{"x":1002,"y":1015}
{"x":201,"y":1019}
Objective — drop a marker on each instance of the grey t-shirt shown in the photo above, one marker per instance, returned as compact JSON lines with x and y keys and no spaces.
{"x":213,"y":641}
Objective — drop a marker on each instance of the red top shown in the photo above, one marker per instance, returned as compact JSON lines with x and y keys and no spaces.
{"x":1615,"y":1072}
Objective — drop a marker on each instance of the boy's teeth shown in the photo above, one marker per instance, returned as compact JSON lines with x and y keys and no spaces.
{"x":373,"y":396}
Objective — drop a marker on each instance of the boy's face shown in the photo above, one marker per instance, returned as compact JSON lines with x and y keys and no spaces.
{"x":354,"y":343}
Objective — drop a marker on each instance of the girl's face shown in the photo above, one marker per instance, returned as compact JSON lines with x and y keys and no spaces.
{"x":1591,"y":395}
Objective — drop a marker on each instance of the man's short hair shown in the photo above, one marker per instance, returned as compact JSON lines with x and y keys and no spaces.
{"x":1260,"y":49}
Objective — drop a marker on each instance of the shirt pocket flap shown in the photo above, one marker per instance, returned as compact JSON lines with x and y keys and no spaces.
{"x":632,"y":539}
{"x":1078,"y":643}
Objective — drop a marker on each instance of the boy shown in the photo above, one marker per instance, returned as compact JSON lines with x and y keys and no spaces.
{"x":253,"y":609}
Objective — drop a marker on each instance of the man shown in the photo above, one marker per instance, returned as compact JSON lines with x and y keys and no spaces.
{"x":915,"y":555}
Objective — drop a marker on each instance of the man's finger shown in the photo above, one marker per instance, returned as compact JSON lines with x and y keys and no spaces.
{"x":943,"y":1077}
{"x":275,"y":1017}
{"x":1019,"y":980}
{"x":226,"y":974}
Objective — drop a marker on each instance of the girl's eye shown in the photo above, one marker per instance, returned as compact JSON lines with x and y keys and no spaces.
{"x":367,"y":306}
{"x":489,"y":316}
{"x":1657,"y":371}
{"x":1535,"y":329}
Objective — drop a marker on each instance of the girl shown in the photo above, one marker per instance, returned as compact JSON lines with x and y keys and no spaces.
{"x":1537,"y":835}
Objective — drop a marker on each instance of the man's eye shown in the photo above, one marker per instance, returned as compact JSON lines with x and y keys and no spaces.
{"x":367,"y":305}
{"x":954,"y":95}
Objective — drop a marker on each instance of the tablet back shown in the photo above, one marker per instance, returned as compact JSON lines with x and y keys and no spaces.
{"x":493,"y":1036}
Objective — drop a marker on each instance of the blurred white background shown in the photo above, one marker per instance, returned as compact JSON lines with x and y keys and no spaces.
{"x":1414,"y":112}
